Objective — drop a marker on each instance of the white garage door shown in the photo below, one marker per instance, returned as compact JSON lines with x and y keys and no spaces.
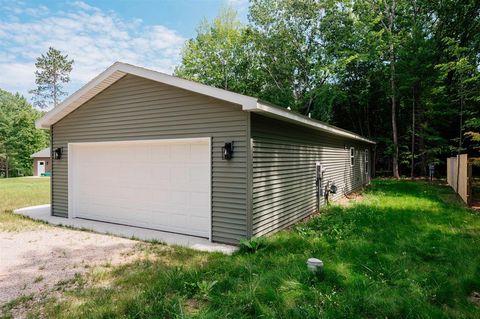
{"x":160,"y":184}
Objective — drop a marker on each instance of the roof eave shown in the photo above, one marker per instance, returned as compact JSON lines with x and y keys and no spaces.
{"x":248,"y":103}
{"x":85,"y":93}
{"x":306,"y":121}
{"x":117,"y":71}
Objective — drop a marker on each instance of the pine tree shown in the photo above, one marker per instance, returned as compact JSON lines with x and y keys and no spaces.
{"x":53,"y":70}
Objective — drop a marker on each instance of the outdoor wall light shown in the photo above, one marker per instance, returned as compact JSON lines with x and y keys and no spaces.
{"x":227,"y":151}
{"x":57,"y":153}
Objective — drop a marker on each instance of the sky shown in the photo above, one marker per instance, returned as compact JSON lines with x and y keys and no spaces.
{"x":95,"y":34}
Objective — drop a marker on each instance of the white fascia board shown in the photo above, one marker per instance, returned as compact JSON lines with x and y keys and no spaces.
{"x":293,"y":117}
{"x":117,"y":71}
{"x":72,"y":102}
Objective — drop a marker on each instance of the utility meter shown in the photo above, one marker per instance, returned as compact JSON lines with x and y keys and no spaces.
{"x":319,"y":172}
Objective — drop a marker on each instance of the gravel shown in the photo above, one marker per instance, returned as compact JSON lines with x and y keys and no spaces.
{"x":34,"y":261}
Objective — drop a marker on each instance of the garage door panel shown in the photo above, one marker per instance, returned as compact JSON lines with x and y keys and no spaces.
{"x":199,"y":175}
{"x":157,"y":184}
{"x":199,"y":221}
{"x":160,"y":172}
{"x":198,"y":152}
{"x":179,"y":153}
{"x":160,"y":154}
{"x":199,"y":200}
{"x":178,"y":176}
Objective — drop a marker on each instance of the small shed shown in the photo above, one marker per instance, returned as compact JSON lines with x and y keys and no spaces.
{"x":42,"y":164}
{"x":146,"y":149}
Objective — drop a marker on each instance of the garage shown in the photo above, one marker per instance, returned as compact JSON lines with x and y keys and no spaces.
{"x":158,"y":184}
{"x":146,"y":149}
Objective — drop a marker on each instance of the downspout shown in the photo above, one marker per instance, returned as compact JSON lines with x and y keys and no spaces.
{"x":249,"y":212}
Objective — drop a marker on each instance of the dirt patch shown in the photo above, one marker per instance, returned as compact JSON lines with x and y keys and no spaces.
{"x":350,"y":199}
{"x":192,"y":306}
{"x":34,"y":262}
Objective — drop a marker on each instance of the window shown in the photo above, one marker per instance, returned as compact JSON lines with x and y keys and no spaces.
{"x":352,"y":156}
{"x":366,"y":161}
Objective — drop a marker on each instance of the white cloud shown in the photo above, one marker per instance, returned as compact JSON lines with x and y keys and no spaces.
{"x":15,"y":8}
{"x":92,"y":37}
{"x":84,"y":6}
{"x":37,"y":12}
{"x":18,"y":77}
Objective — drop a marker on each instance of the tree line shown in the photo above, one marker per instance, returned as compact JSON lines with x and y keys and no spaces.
{"x":19,"y":138}
{"x":403,"y":73}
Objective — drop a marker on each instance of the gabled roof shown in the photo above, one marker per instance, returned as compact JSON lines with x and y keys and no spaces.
{"x":43,"y":153}
{"x":248,"y":103}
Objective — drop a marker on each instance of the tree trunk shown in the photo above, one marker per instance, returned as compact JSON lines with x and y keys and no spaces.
{"x":391,"y":20}
{"x":421,"y":122}
{"x":396,"y":173}
{"x":55,"y":102}
{"x":462,"y":103}
{"x":412,"y":168}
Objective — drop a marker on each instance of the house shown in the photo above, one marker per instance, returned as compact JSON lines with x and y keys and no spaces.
{"x":142,"y":148}
{"x":42,"y":164}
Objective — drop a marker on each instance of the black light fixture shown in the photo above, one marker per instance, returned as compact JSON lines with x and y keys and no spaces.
{"x":57,"y":153}
{"x":227,"y":151}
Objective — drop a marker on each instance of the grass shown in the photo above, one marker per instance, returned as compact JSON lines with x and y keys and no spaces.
{"x":12,"y":304}
{"x":408,"y":250}
{"x":21,"y":192}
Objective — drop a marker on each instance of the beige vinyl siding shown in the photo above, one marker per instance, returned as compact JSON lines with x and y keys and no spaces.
{"x":134,"y":108}
{"x":284,"y":178}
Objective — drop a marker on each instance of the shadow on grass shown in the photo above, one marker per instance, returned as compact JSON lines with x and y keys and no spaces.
{"x":401,"y":253}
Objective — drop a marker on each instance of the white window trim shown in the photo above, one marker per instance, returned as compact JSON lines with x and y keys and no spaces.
{"x":352,"y":156}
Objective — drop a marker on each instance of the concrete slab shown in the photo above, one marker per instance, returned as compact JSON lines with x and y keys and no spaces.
{"x":42,"y":213}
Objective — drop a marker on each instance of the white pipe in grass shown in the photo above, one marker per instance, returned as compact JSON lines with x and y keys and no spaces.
{"x":315,"y":265}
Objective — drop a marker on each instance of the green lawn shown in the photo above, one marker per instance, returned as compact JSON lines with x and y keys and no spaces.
{"x":409,"y":250}
{"x":21,"y":192}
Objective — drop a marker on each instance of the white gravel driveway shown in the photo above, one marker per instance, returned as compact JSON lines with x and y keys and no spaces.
{"x":33,"y":261}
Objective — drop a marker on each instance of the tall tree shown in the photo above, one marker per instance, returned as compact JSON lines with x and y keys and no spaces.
{"x":382,"y":68}
{"x":19,"y":138}
{"x":387,"y":14}
{"x":221,"y":55}
{"x":290,"y":45}
{"x":415,"y":72}
{"x":53,"y":70}
{"x":461,"y":77}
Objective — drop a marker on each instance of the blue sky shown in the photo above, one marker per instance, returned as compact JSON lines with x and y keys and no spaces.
{"x":97,"y":33}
